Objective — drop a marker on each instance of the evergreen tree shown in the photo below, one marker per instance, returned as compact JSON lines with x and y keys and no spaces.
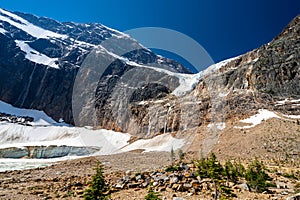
{"x":215,"y":169}
{"x":180,"y":155}
{"x":256,"y":176}
{"x":202,"y":168}
{"x":211,"y":168}
{"x":232,"y":171}
{"x":240,"y":169}
{"x":98,"y":189}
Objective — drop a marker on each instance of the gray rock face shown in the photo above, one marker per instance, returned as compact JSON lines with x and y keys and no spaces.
{"x":23,"y":120}
{"x":270,"y":72}
{"x":27,"y":84}
{"x":250,"y":82}
{"x":149,"y":91}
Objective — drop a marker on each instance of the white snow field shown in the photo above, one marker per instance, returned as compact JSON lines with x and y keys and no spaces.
{"x":45,"y":132}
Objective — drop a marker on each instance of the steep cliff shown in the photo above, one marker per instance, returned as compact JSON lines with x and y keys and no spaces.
{"x":40,"y":58}
{"x":265,"y":78}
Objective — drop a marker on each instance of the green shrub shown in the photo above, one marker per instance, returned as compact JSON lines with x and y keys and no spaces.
{"x":172,"y":168}
{"x":152,"y":195}
{"x":287,"y":175}
{"x":98,"y":189}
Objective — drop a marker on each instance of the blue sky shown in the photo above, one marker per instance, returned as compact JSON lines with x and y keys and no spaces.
{"x":225,"y":28}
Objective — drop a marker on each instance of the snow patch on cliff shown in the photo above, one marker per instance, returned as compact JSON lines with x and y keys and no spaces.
{"x":36,"y":56}
{"x":27,"y":27}
{"x":258,"y":118}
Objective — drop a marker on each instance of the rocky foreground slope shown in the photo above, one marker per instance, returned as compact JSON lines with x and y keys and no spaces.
{"x":130,"y":174}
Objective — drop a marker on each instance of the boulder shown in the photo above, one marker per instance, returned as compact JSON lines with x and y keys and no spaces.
{"x":295,"y":197}
{"x":243,"y":187}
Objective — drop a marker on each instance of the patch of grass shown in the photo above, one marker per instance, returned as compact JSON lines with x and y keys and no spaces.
{"x":70,"y":193}
{"x":273,"y":185}
{"x":291,"y":176}
{"x":152,"y":195}
{"x":32,"y":188}
{"x":172,"y":168}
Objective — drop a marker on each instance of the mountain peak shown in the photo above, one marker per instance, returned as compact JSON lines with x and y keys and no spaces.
{"x":292,"y":28}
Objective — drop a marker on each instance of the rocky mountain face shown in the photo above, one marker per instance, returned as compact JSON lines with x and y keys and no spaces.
{"x":40,"y":58}
{"x":240,"y":87}
{"x":137,"y":91}
{"x":267,"y":74}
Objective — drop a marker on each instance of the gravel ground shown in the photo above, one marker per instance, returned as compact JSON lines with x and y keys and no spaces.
{"x":68,"y":179}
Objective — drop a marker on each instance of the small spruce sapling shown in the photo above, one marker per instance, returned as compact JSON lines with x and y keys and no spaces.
{"x":98,"y":189}
{"x":172,"y":154}
{"x":180,"y":155}
{"x":257,"y":177}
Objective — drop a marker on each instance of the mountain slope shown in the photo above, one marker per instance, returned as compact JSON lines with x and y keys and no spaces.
{"x":227,"y":91}
{"x":40,"y":57}
{"x":148,"y":96}
{"x":266,"y":78}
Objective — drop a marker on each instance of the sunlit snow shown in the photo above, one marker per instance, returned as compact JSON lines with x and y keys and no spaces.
{"x":282,"y":102}
{"x":292,"y":116}
{"x":53,"y":133}
{"x":258,"y":118}
{"x":29,"y":28}
{"x":36,"y":56}
{"x":163,"y":142}
{"x":40,"y":118}
{"x":219,"y":125}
